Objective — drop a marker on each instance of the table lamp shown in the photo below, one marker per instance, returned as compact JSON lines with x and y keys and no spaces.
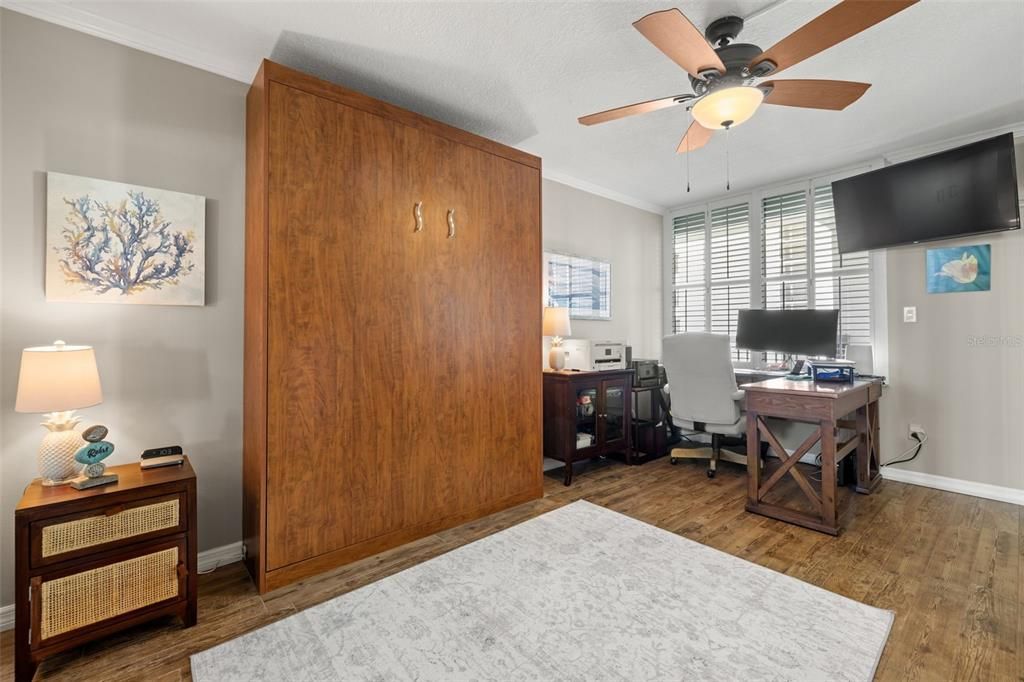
{"x":57,"y":380}
{"x":556,"y":325}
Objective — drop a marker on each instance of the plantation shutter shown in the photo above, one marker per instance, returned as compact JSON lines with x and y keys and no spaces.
{"x":729,"y":272}
{"x":784,"y":251}
{"x":841,"y":281}
{"x":689,"y":242}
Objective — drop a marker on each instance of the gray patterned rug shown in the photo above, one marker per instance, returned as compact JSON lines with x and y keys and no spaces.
{"x":579,"y":593}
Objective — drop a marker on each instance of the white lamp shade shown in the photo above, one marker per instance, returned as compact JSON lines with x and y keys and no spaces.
{"x":58,"y":378}
{"x":556,"y":322}
{"x":728,"y":105}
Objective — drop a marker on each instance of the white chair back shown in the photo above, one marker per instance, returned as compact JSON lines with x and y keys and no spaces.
{"x":700,"y":377}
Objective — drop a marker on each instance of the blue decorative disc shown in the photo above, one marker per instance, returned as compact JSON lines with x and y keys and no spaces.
{"x":94,"y":452}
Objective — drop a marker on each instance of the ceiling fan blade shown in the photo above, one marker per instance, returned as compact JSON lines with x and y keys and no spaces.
{"x":676,"y":36}
{"x":843,"y":21}
{"x":633,"y":109}
{"x":814,"y":94}
{"x":696,"y":137}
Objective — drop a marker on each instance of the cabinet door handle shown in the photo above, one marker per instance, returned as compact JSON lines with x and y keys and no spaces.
{"x":418,"y":212}
{"x":451,"y":223}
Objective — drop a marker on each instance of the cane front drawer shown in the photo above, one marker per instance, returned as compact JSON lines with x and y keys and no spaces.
{"x":68,"y":601}
{"x":65,"y":537}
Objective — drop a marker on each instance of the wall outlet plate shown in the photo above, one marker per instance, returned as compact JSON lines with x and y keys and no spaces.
{"x":915,"y":428}
{"x":910,"y":313}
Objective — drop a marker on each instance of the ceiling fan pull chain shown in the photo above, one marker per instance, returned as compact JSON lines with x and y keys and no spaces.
{"x":727,"y":181}
{"x":687,"y":161}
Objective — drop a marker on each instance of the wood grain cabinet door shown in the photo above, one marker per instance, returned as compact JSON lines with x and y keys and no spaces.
{"x":330,"y":479}
{"x":496,"y":308}
{"x":421,"y":322}
{"x":512,"y":337}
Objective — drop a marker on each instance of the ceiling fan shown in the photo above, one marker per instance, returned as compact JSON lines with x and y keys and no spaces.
{"x":724,"y":78}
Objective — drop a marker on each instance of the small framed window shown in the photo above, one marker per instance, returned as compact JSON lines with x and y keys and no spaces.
{"x":581,"y":284}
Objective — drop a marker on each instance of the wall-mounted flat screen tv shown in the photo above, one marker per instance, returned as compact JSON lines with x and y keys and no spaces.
{"x":967,"y":190}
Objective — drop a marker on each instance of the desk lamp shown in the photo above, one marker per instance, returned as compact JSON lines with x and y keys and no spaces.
{"x":556,"y":325}
{"x":57,"y":380}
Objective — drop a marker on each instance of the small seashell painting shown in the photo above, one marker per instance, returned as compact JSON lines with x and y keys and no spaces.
{"x":960,"y":268}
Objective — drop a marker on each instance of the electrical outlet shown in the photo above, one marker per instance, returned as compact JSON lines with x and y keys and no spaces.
{"x":915,"y":428}
{"x":910,"y":313}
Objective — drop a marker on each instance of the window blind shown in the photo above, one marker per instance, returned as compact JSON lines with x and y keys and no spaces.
{"x":800,"y":266}
{"x":841,"y":281}
{"x":688,"y":243}
{"x":689,"y":249}
{"x":729,"y":271}
{"x":784,"y":235}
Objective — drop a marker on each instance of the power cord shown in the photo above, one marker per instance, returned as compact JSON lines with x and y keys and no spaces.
{"x":916,"y":449}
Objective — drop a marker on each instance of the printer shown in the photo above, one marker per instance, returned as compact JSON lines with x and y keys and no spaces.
{"x":586,"y":355}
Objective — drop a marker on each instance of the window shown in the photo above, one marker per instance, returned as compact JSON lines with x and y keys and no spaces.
{"x":793,"y":239}
{"x":688,"y":254}
{"x":729,"y":271}
{"x":583,"y":285}
{"x":841,"y":281}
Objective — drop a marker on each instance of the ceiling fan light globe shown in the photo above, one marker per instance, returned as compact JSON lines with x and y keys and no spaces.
{"x":730,"y":106}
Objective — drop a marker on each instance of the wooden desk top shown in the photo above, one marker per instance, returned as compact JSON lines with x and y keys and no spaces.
{"x":821,"y":389}
{"x":129,"y":477}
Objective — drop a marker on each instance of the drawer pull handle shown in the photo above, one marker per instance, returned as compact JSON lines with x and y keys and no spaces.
{"x":418,"y":212}
{"x":451,"y":223}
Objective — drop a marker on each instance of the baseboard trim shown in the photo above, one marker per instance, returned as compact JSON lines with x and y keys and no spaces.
{"x":956,"y":485}
{"x":208,"y":561}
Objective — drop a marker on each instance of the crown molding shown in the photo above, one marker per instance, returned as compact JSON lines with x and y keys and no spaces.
{"x":600,"y":191}
{"x":66,"y":15}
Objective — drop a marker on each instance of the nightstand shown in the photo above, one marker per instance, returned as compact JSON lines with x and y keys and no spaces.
{"x":91,"y":562}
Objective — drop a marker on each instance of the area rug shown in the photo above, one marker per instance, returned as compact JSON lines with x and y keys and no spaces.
{"x":580,"y":593}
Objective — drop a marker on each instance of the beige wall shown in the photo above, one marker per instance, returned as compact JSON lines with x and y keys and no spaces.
{"x":969,"y":397}
{"x":80,"y":105}
{"x":584,"y":224}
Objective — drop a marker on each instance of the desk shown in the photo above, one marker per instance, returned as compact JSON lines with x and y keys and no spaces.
{"x":826,"y":405}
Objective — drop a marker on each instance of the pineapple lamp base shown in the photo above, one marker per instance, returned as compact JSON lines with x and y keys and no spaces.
{"x":57,"y":464}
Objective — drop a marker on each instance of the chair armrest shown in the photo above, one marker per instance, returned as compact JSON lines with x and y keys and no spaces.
{"x":738,"y":395}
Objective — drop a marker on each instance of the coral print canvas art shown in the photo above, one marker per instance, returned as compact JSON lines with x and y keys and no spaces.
{"x":108,"y":242}
{"x":961,"y":268}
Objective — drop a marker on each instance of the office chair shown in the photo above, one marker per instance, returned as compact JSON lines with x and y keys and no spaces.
{"x":703,"y":394}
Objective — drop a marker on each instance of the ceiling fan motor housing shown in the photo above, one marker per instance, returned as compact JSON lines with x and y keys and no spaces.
{"x":736,"y":58}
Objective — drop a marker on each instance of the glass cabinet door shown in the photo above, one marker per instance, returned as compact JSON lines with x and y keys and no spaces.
{"x":614,"y":412}
{"x":586,"y":417}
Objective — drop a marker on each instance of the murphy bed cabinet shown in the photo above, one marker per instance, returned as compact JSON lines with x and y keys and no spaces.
{"x":392,"y":327}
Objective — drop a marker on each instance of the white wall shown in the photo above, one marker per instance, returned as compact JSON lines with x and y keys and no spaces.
{"x":584,"y":224}
{"x":80,"y":105}
{"x":968,"y":395}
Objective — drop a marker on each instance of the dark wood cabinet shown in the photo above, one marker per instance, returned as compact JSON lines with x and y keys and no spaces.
{"x":91,"y":562}
{"x":587,"y":414}
{"x":382,"y":401}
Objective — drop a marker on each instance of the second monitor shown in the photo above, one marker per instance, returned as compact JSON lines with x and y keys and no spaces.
{"x":795,"y":332}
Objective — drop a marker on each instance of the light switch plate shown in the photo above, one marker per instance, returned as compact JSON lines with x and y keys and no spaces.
{"x":910,"y":313}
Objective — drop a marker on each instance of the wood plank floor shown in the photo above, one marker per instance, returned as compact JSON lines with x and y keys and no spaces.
{"x":950,"y":566}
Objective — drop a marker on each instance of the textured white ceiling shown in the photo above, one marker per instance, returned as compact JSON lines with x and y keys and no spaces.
{"x":522,"y":72}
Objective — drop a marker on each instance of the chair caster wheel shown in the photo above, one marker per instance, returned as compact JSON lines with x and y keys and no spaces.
{"x":711,"y":473}
{"x":673,"y":460}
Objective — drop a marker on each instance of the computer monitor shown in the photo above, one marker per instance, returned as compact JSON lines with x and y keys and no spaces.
{"x":797,"y":332}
